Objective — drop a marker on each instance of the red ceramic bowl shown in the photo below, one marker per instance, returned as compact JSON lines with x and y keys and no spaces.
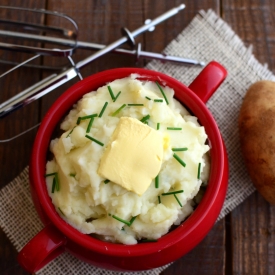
{"x":58,"y":236}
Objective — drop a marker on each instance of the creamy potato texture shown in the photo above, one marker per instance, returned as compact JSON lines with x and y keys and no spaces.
{"x":94,"y":204}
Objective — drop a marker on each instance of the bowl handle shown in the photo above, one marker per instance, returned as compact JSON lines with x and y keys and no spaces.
{"x":41,"y":249}
{"x":208,"y":81}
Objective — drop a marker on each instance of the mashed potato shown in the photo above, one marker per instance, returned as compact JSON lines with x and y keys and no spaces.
{"x":95,"y":205}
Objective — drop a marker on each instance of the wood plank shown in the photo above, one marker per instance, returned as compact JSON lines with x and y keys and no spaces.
{"x":14,"y":155}
{"x":99,"y":22}
{"x":167,"y":31}
{"x":253,"y":237}
{"x":207,"y":258}
{"x":252,"y":223}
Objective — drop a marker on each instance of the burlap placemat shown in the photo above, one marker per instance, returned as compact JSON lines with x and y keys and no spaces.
{"x":206,"y":38}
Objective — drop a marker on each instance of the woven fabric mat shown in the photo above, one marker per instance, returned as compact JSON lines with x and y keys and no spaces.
{"x":206,"y":38}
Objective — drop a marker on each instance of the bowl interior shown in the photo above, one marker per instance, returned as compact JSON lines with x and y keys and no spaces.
{"x":64,"y":103}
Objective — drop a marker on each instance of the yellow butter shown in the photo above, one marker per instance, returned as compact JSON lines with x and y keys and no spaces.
{"x":133,"y":156}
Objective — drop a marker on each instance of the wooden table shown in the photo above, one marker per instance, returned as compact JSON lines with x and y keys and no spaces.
{"x":244,"y":241}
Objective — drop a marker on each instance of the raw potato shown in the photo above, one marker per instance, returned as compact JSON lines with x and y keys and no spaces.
{"x":257,"y":136}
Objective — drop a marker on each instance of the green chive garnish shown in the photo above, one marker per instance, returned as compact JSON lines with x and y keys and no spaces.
{"x":118,"y":110}
{"x":178,"y":200}
{"x":145,"y":118}
{"x":53,"y":185}
{"x":70,"y":132}
{"x":117,"y":96}
{"x":158,"y":100}
{"x":85,"y":117}
{"x":106,"y":181}
{"x":51,"y":174}
{"x":114,"y":98}
{"x":95,"y":140}
{"x":132,"y":220}
{"x":158,"y":124}
{"x":121,"y":220}
{"x":174,"y":128}
{"x":72,"y":175}
{"x":199,"y":171}
{"x":124,"y":221}
{"x":103,"y":109}
{"x":61,"y":211}
{"x":157,"y":181}
{"x":172,"y":193}
{"x":179,"y":160}
{"x":179,"y":149}
{"x":148,"y":98}
{"x":90,"y":125}
{"x":134,"y":104}
{"x":159,"y":200}
{"x":111,"y":93}
{"x":163,"y":94}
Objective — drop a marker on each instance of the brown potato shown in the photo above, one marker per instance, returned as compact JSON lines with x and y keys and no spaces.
{"x":257,"y":136}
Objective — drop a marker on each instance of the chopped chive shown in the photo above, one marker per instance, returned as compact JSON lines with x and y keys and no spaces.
{"x":158,"y":100}
{"x":163,"y":94}
{"x":103,"y":109}
{"x":111,"y":93}
{"x":157,"y":181}
{"x":122,"y":229}
{"x":51,"y":174}
{"x":159,"y":200}
{"x":90,"y":125}
{"x":70,"y":132}
{"x":172,"y":193}
{"x":179,"y":160}
{"x":53,"y":185}
{"x":158,"y":124}
{"x":199,"y":171}
{"x":124,"y":221}
{"x":78,"y":120}
{"x":106,"y":181}
{"x":132,"y":220}
{"x":72,"y":175}
{"x":118,"y":110}
{"x":95,"y":140}
{"x":179,"y":149}
{"x":148,"y":98}
{"x":145,"y":118}
{"x":117,"y":96}
{"x":178,"y":200}
{"x":121,"y":220}
{"x":85,"y":117}
{"x":148,"y":241}
{"x":61,"y":211}
{"x":134,"y":104}
{"x":174,"y":128}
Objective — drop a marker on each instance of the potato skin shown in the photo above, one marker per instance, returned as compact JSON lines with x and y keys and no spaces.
{"x":257,"y":136}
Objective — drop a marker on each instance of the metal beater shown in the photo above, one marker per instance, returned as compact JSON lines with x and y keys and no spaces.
{"x":65,"y":45}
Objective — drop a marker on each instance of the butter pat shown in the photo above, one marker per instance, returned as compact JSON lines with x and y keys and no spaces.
{"x":133,"y":156}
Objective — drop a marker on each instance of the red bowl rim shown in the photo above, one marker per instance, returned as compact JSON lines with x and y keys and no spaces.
{"x":65,"y":102}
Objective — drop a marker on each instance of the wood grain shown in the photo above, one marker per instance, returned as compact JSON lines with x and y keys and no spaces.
{"x":252,"y":223}
{"x":15,"y":155}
